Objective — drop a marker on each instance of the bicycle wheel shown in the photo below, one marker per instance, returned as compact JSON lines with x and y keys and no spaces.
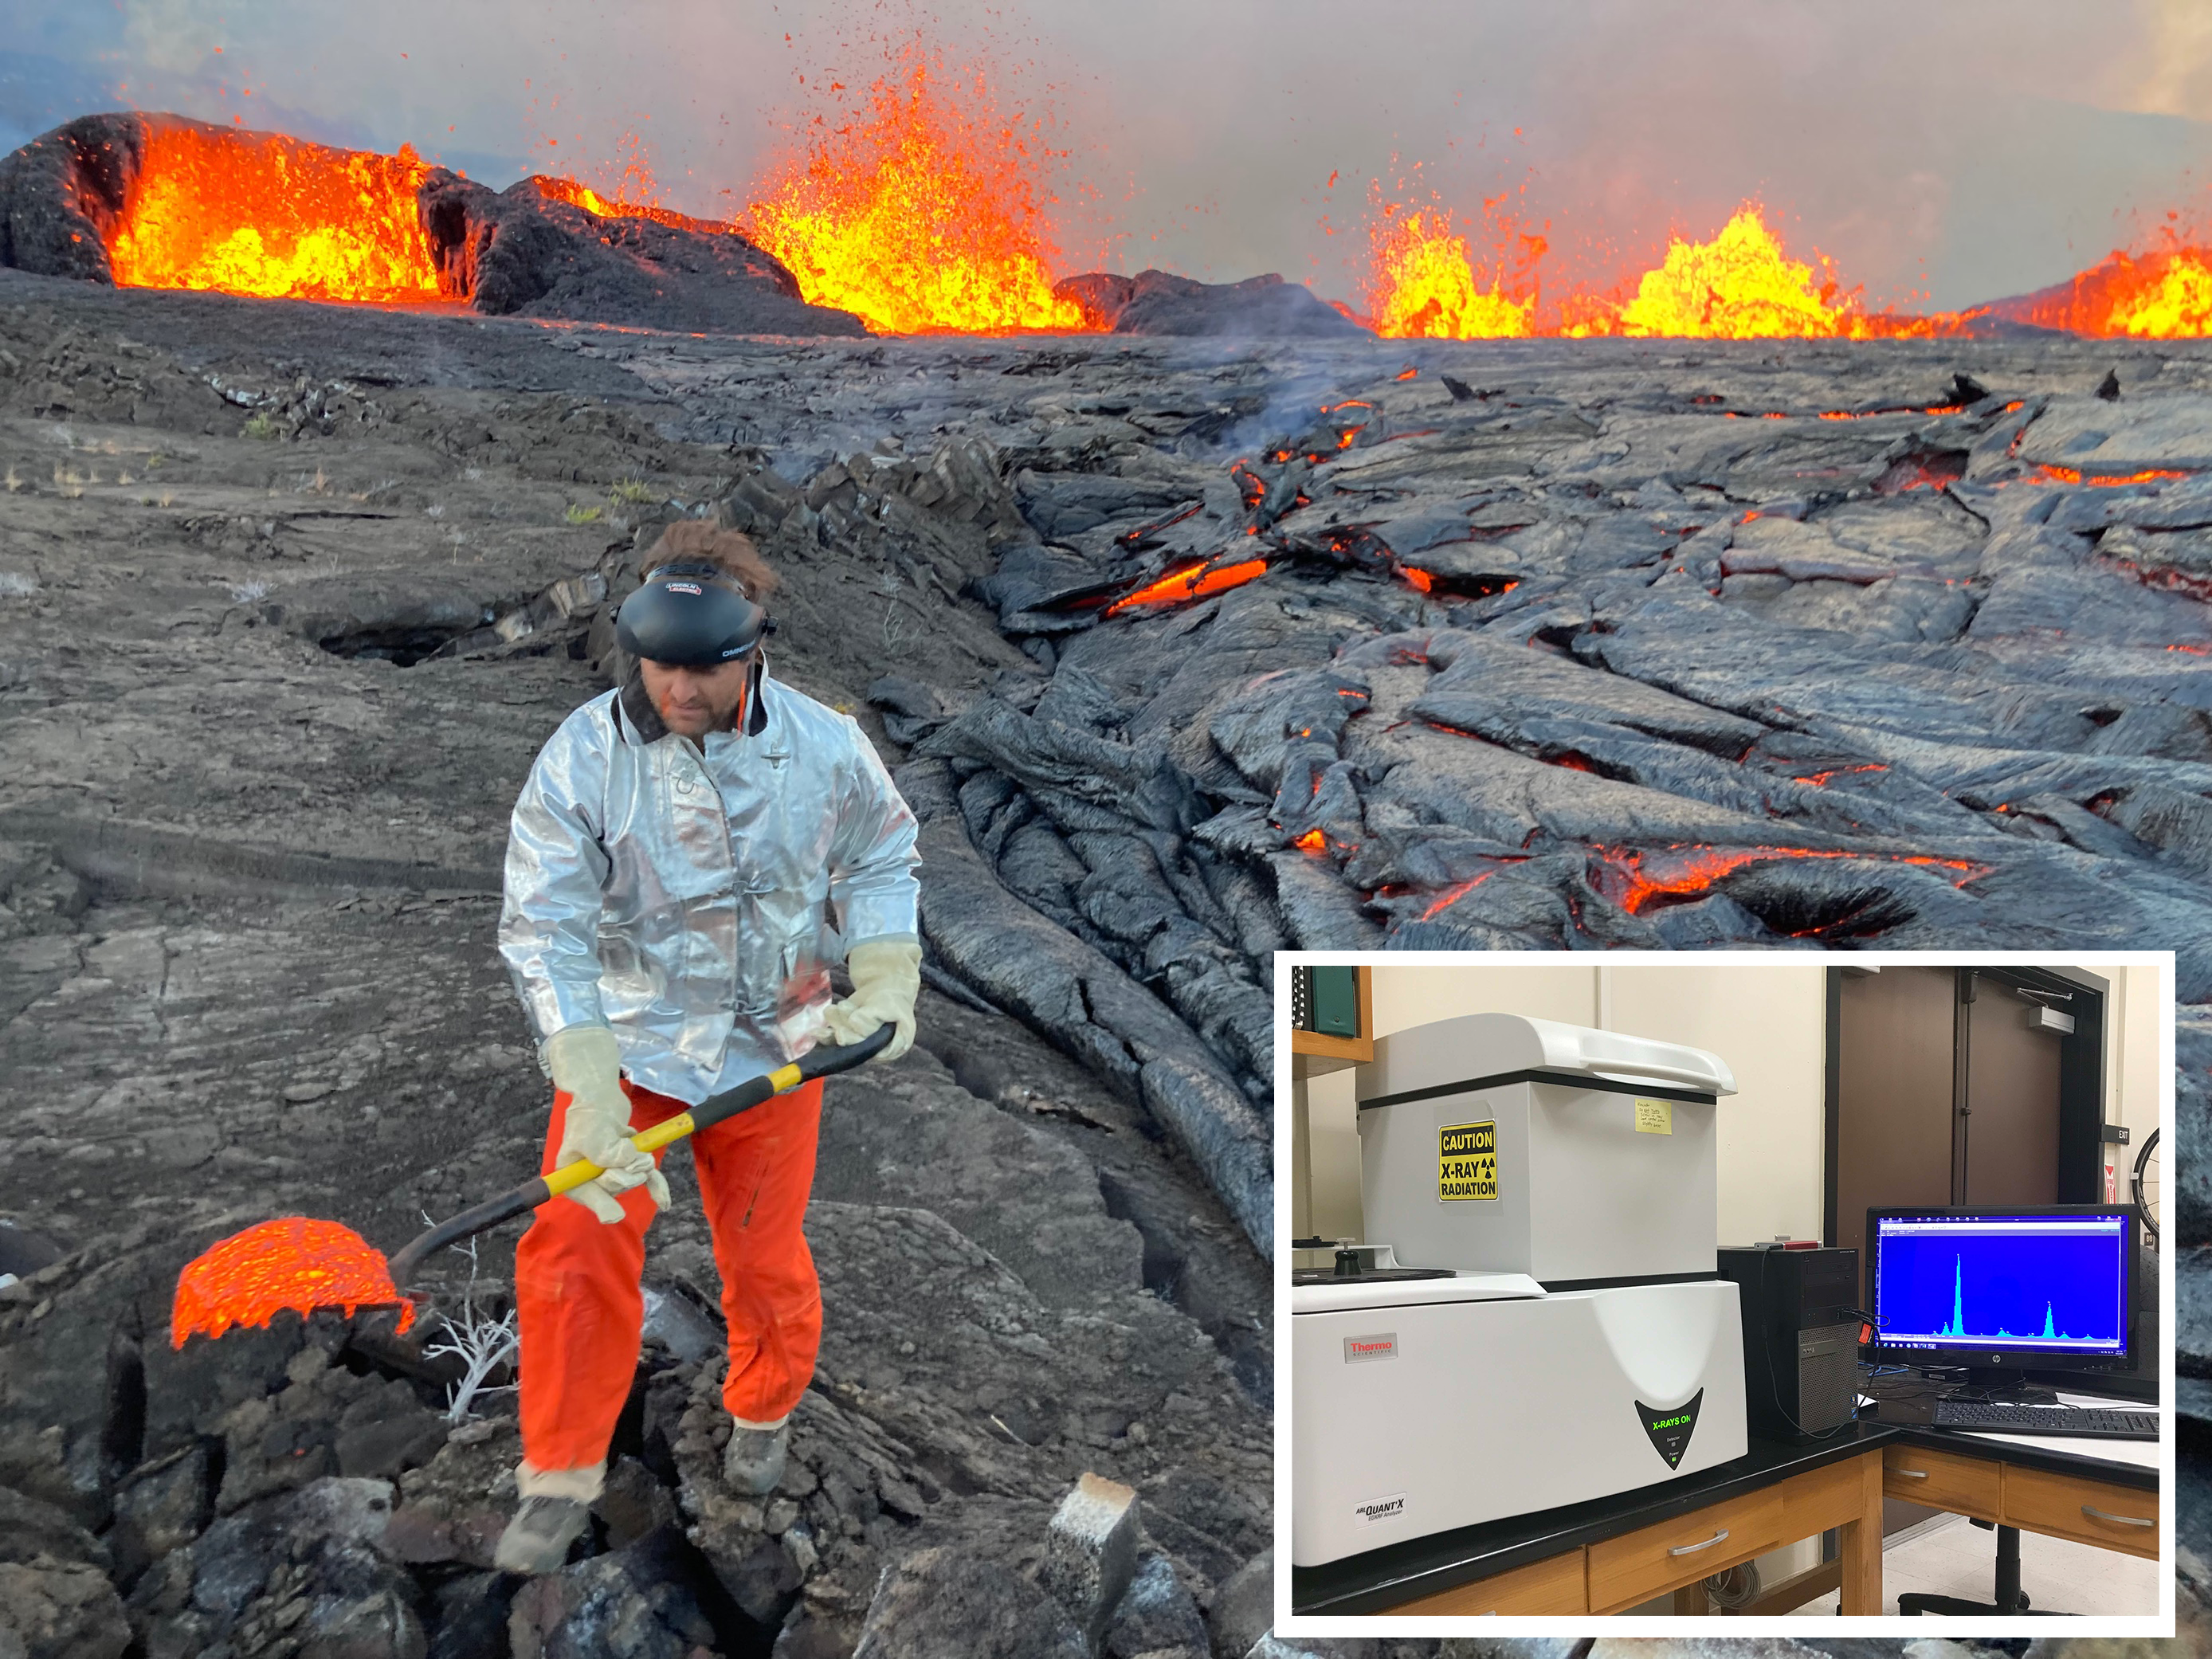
{"x":2143,"y":1188}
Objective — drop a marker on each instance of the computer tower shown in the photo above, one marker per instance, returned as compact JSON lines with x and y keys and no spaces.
{"x":1800,"y":1337}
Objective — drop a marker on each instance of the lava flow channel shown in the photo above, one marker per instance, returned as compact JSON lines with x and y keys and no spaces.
{"x":1637,"y":881}
{"x":922,"y":215}
{"x":260,"y":214}
{"x":292,"y":1262}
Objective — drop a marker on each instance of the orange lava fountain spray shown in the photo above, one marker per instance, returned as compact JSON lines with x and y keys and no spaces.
{"x":1740,"y":286}
{"x":923,"y":215}
{"x":260,"y":214}
{"x":1424,"y":283}
{"x":292,"y":1262}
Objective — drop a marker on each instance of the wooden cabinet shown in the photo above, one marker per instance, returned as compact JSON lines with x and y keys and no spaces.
{"x":1942,"y":1481}
{"x":1315,"y":1052}
{"x":1553,"y":1586}
{"x":2124,"y":1518}
{"x":1641,"y":1565}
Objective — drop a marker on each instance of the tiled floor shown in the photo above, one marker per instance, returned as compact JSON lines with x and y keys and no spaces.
{"x":1957,"y":1558}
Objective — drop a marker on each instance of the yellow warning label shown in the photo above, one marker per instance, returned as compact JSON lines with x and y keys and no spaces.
{"x":1467,"y":1161}
{"x":1654,"y":1117}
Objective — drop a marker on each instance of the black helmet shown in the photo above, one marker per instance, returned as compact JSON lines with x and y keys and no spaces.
{"x":689,"y":616}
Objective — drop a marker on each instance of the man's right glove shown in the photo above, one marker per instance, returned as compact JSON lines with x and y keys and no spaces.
{"x":586,"y":1067}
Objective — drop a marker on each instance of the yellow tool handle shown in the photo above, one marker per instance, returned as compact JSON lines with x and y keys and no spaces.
{"x":570,"y":1176}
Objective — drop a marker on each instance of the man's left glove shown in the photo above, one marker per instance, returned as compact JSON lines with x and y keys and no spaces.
{"x":886,"y":979}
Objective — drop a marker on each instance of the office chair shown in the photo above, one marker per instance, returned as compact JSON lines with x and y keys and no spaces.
{"x":2010,"y":1600}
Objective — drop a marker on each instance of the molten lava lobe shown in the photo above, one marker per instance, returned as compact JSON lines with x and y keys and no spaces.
{"x":1639,"y":879}
{"x":1188,"y":582}
{"x":293,"y":1262}
{"x":261,"y":214}
{"x":924,"y":215}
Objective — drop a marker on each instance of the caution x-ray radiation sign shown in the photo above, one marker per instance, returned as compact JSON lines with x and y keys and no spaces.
{"x":1467,"y":1161}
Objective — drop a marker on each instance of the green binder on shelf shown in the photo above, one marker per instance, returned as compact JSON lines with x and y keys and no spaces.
{"x":1336,"y":1001}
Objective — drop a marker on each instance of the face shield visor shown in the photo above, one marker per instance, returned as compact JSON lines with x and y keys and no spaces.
{"x":689,"y":616}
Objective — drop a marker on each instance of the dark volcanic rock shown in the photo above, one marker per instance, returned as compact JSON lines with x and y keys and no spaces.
{"x":520,"y":252}
{"x":947,"y":1603}
{"x":1160,"y":302}
{"x":632,"y":1604}
{"x":56,"y":1599}
{"x":62,"y":194}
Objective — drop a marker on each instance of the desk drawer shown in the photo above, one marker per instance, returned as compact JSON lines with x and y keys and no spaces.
{"x":1639,"y":1565}
{"x":2125,"y":1518}
{"x":1942,"y":1481}
{"x":1555,"y":1586}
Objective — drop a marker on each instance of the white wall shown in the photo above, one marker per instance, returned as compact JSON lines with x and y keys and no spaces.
{"x":1766,"y":1023}
{"x":2135,"y":1086}
{"x":1770,"y":1025}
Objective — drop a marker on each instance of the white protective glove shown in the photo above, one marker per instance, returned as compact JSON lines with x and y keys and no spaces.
{"x":586,"y":1067}
{"x":886,"y":979}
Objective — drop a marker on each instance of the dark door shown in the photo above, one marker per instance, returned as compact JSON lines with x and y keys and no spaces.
{"x":1894,"y":1039}
{"x":2011,"y":1129}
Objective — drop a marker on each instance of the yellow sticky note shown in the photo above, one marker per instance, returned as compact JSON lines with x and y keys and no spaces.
{"x":1654,"y":1117}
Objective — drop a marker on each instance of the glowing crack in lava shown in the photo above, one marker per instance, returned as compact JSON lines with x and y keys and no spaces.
{"x":1639,"y":879}
{"x":1423,"y":283}
{"x":1187,"y":582}
{"x":259,"y":214}
{"x":291,"y":1263}
{"x":922,"y":214}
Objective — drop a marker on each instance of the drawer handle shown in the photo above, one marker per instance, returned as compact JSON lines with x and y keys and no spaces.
{"x":1911,"y":1474}
{"x":2121,"y":1520}
{"x":1692,"y":1549}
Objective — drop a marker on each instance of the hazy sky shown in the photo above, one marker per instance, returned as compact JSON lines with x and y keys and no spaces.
{"x":1964,"y":149}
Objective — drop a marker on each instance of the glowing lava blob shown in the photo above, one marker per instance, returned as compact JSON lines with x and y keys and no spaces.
{"x":1424,"y":284}
{"x":259,"y":214}
{"x":291,"y":1263}
{"x":923,"y":215}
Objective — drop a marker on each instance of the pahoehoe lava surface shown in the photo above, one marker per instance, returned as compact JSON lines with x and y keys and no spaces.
{"x":1185,"y":651}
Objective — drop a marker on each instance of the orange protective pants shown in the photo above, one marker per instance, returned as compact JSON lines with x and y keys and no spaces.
{"x":576,"y":1279}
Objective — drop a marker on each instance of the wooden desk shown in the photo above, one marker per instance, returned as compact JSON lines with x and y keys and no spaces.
{"x":1617,"y":1553}
{"x":1612,"y":1553}
{"x":2037,"y":1486}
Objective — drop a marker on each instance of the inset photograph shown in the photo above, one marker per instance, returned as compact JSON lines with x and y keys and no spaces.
{"x":1746,"y":1287}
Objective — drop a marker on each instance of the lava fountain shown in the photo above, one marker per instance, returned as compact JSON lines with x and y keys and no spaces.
{"x":2165,"y":293}
{"x":275,"y":217}
{"x":1423,"y":283}
{"x":924,"y":215}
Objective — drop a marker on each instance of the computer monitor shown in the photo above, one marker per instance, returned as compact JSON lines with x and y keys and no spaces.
{"x":2003,"y":1290}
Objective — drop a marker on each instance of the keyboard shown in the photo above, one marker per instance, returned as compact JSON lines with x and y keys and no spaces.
{"x":2098,"y":1422}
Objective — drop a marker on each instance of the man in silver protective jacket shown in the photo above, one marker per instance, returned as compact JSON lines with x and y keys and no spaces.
{"x":691,"y":853}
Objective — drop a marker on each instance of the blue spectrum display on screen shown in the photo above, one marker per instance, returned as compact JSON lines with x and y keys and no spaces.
{"x":2013,"y":1282}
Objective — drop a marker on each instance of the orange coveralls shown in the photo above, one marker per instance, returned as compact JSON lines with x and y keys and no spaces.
{"x":576,"y":1279}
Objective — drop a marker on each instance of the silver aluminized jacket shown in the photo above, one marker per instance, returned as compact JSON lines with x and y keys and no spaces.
{"x":678,"y":895}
